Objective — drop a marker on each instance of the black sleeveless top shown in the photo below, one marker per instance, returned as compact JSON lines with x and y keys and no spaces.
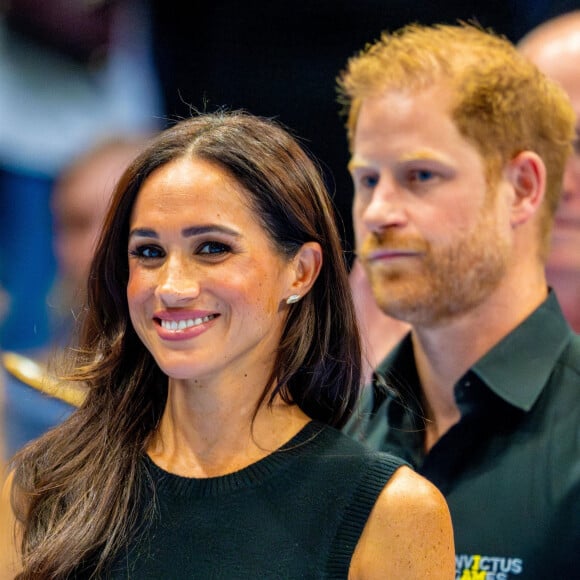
{"x":296,"y":514}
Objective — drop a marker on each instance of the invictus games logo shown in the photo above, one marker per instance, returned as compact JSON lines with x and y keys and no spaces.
{"x":487,"y":567}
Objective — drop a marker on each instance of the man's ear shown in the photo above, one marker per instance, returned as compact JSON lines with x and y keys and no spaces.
{"x":307,"y":263}
{"x":526,"y":173}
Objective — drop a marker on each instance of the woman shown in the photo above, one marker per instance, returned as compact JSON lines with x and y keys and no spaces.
{"x":221,"y":352}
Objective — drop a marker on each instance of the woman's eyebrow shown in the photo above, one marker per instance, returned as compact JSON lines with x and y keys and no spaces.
{"x":186,"y":232}
{"x":204,"y":229}
{"x":143,"y":233}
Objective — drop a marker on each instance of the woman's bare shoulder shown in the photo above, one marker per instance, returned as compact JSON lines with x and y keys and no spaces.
{"x":408,"y":535}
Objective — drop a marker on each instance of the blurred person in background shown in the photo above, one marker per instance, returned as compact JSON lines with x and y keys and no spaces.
{"x":554,"y":47}
{"x":78,"y":204}
{"x":379,"y":332}
{"x":35,"y":400}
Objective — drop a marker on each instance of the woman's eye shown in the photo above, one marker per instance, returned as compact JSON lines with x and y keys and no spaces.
{"x":150,"y":252}
{"x":213,"y":248}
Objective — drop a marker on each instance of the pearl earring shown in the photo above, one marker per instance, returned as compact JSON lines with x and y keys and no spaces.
{"x":293,"y":299}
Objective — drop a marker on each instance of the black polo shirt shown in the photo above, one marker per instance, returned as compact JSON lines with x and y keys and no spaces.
{"x":510,"y":468}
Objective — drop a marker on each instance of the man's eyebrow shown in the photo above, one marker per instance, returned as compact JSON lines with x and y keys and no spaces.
{"x":354,"y":162}
{"x":421,"y":155}
{"x":417,"y":155}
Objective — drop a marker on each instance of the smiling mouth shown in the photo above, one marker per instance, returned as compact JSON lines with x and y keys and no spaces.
{"x":179,"y":325}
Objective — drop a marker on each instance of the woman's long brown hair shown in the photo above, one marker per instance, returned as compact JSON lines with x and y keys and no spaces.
{"x":77,"y":489}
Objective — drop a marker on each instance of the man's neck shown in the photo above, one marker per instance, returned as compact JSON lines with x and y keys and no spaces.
{"x":445,"y":352}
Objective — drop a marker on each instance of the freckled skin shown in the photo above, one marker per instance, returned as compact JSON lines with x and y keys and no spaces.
{"x":243,"y":284}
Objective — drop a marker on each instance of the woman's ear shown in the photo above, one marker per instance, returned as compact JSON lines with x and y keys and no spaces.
{"x":526,"y":173}
{"x":306,"y":267}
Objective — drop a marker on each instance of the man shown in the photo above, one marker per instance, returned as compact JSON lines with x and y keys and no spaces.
{"x":555,"y":48}
{"x":458,"y":148}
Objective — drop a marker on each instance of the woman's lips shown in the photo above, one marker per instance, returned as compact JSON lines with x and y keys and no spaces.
{"x":182,"y":326}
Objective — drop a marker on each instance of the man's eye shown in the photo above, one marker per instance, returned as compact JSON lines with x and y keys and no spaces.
{"x":213,"y":248}
{"x":150,"y":252}
{"x":369,"y":181}
{"x":420,"y":175}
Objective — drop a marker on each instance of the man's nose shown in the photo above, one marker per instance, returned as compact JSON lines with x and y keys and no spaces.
{"x":385,"y":208}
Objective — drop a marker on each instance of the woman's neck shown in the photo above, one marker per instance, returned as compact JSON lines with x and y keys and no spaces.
{"x":201,"y":435}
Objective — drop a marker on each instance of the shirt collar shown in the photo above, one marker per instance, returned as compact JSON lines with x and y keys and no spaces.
{"x":516,"y":369}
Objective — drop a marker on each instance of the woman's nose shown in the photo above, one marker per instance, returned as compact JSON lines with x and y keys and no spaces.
{"x":177,"y":283}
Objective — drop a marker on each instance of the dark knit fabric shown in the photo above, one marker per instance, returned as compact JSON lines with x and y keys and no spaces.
{"x":296,"y":514}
